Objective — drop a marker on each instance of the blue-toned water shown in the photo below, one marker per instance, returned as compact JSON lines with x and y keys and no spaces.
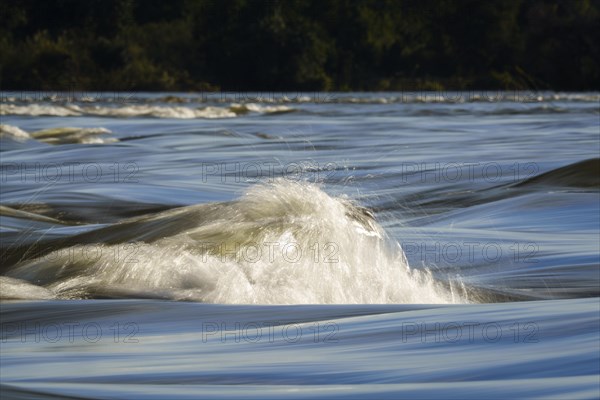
{"x":338,"y":245}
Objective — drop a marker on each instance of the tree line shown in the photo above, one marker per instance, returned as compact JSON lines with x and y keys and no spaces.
{"x":300,"y":44}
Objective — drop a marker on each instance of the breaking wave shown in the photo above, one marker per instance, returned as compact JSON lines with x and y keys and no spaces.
{"x":280,"y":243}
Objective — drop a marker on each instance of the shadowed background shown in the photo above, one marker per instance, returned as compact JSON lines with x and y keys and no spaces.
{"x":299,"y":45}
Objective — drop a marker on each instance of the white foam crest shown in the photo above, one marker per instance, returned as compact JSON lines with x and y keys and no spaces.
{"x":65,"y":135}
{"x":160,"y":112}
{"x":282,"y":243}
{"x":11,"y":289}
{"x":119,"y":112}
{"x":61,"y":135}
{"x":13,"y":132}
{"x":253,"y":107}
{"x":40,"y":110}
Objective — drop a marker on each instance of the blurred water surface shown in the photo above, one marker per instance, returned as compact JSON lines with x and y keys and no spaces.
{"x":416,"y":245}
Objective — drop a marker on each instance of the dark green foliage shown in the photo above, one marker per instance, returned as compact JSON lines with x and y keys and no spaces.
{"x":299,"y":45}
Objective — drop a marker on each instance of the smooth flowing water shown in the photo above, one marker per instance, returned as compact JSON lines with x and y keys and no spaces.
{"x":327,"y":245}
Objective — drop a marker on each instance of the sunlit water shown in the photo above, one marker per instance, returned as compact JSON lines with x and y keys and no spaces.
{"x":301,"y":245}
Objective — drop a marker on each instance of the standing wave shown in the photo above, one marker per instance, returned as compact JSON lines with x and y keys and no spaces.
{"x":280,"y":243}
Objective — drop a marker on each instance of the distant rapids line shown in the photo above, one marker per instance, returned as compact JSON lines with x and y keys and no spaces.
{"x":132,"y":111}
